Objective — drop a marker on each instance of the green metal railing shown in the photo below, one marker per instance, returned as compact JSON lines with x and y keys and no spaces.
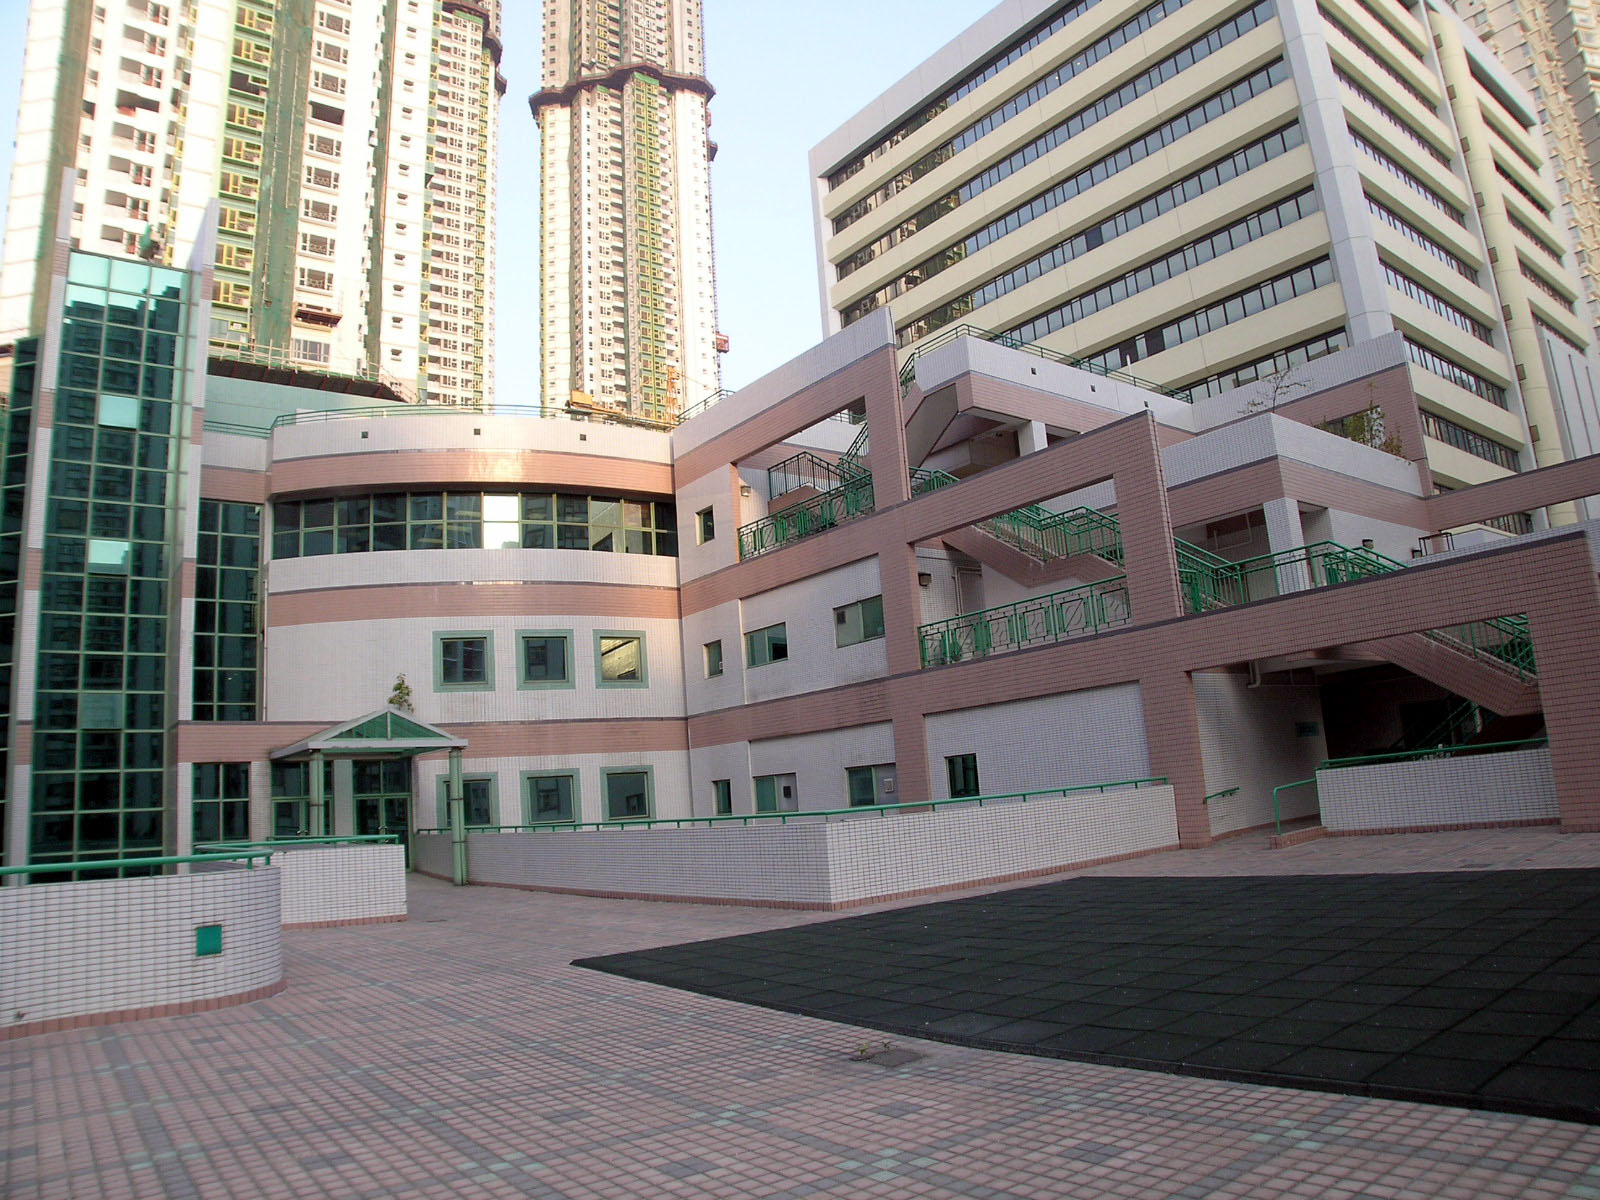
{"x":908,"y":369}
{"x":1426,"y":752}
{"x":783,"y":818}
{"x":248,"y":857}
{"x":813,"y":516}
{"x":302,"y":843}
{"x":853,"y":462}
{"x":1223,"y":794}
{"x":1073,"y":613}
{"x":1277,"y":804}
{"x":806,"y":469}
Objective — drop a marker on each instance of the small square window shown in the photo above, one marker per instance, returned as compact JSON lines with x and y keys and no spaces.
{"x":963,"y":773}
{"x":858,"y":622}
{"x":705,"y":525}
{"x":545,"y":659}
{"x":769,"y":645}
{"x":463,"y":662}
{"x":628,"y":794}
{"x":620,"y":659}
{"x":108,"y":556}
{"x":119,"y":412}
{"x":550,"y":798}
{"x":713,"y":653}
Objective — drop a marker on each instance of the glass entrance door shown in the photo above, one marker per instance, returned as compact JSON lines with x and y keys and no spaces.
{"x":381,"y":789}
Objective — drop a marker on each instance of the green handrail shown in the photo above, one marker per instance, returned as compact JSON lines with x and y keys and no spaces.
{"x":1233,"y":791}
{"x":1336,"y":764}
{"x":783,"y":818}
{"x":1277,"y":810}
{"x":295,"y":843}
{"x":1056,"y":617}
{"x":816,"y":515}
{"x":248,"y":857}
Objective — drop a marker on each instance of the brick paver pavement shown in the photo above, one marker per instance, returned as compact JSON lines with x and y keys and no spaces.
{"x":460,"y":1055}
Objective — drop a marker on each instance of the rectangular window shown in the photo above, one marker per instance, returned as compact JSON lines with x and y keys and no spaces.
{"x":713,"y":653}
{"x":546,"y":659}
{"x":776,"y":793}
{"x":550,"y":799}
{"x":221,"y":802}
{"x":763,"y":646}
{"x":478,"y":794}
{"x":627,"y":794}
{"x":722,"y":795}
{"x":963,"y":772}
{"x":858,"y":622}
{"x":463,"y":662}
{"x":620,"y":659}
{"x":705,"y":525}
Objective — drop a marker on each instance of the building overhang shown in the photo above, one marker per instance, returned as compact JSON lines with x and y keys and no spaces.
{"x":386,"y":733}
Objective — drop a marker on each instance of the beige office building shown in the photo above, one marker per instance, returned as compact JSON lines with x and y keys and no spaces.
{"x":626,"y":279}
{"x":351,"y":151}
{"x":1203,"y":193}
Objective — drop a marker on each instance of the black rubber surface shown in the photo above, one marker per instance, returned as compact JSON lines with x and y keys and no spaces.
{"x":1474,"y":989}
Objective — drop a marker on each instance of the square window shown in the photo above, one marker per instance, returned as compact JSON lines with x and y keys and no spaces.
{"x":705,"y":525}
{"x":478,"y":796}
{"x":550,"y":798}
{"x":769,"y":645}
{"x":713,"y":653}
{"x":858,"y":622}
{"x":119,"y":412}
{"x":628,"y":794}
{"x":545,"y":659}
{"x":463,"y":662}
{"x":620,"y":659}
{"x":108,"y":556}
{"x":963,"y":772}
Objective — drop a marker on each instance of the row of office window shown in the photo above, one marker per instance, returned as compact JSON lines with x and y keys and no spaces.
{"x":552,"y":797}
{"x":472,"y":520}
{"x":464,"y":661}
{"x":860,"y":621}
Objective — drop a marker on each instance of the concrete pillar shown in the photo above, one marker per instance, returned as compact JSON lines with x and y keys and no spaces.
{"x":458,"y":822}
{"x":1031,"y":438}
{"x":1285,"y":533}
{"x":319,"y":798}
{"x":1172,"y":731}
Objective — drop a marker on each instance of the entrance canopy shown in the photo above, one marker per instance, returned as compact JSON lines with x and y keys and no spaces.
{"x":387,"y":733}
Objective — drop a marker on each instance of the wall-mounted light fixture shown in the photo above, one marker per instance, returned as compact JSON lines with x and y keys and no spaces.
{"x":744,"y":489}
{"x":924,"y":579}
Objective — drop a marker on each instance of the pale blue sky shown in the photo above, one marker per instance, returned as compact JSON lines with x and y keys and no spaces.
{"x":786,"y":74}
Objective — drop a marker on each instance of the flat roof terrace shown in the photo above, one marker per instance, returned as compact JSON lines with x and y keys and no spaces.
{"x":461,"y":1054}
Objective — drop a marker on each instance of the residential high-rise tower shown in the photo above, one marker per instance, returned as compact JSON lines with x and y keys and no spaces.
{"x":351,"y":144}
{"x":626,"y":278}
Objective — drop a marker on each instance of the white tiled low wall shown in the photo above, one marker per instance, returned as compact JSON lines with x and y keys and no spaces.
{"x":1469,"y":790}
{"x":430,"y":854}
{"x":822,"y":863}
{"x":333,"y":885}
{"x":75,"y":950}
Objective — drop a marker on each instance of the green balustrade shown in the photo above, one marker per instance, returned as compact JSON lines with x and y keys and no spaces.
{"x":816,"y":515}
{"x":1073,"y":613}
{"x":114,"y":866}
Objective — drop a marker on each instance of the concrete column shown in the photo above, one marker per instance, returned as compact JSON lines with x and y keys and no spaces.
{"x":1284,"y":533}
{"x":458,"y":822}
{"x":1031,"y":438}
{"x":319,"y":798}
{"x":1146,"y":521}
{"x":1172,"y":731}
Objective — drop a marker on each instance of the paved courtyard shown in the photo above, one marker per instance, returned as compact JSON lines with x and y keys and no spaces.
{"x":460,"y":1054}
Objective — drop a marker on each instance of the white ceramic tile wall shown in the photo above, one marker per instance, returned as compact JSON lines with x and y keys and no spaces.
{"x":231,"y":450}
{"x":669,"y":773}
{"x":324,"y":571}
{"x":342,"y":883}
{"x":1249,"y":740}
{"x":720,"y":623}
{"x":806,"y":610}
{"x":430,"y":853}
{"x":818,"y":761}
{"x":72,"y":949}
{"x":832,"y":861}
{"x":356,"y":664}
{"x":1514,"y":786}
{"x":940,"y":600}
{"x":715,"y":491}
{"x":1093,"y":736}
{"x":449,"y":431}
{"x":730,"y":761}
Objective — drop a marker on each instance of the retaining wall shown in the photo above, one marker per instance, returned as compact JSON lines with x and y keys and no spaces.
{"x":1514,"y":787}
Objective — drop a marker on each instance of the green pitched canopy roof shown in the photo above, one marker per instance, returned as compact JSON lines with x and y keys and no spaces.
{"x":386,"y":733}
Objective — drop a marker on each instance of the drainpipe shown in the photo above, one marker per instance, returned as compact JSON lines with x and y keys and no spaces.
{"x":458,"y":822}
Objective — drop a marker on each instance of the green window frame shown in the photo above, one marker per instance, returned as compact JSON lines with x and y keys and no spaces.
{"x":722,"y":797}
{"x":544,"y":805}
{"x":858,"y":622}
{"x":962,"y":770}
{"x":458,"y":665}
{"x":766,"y":645}
{"x":713,"y":658}
{"x":221,"y":802}
{"x":615,"y":666}
{"x":482,"y":796}
{"x":705,"y":525}
{"x":534,"y":674}
{"x":628,"y":793}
